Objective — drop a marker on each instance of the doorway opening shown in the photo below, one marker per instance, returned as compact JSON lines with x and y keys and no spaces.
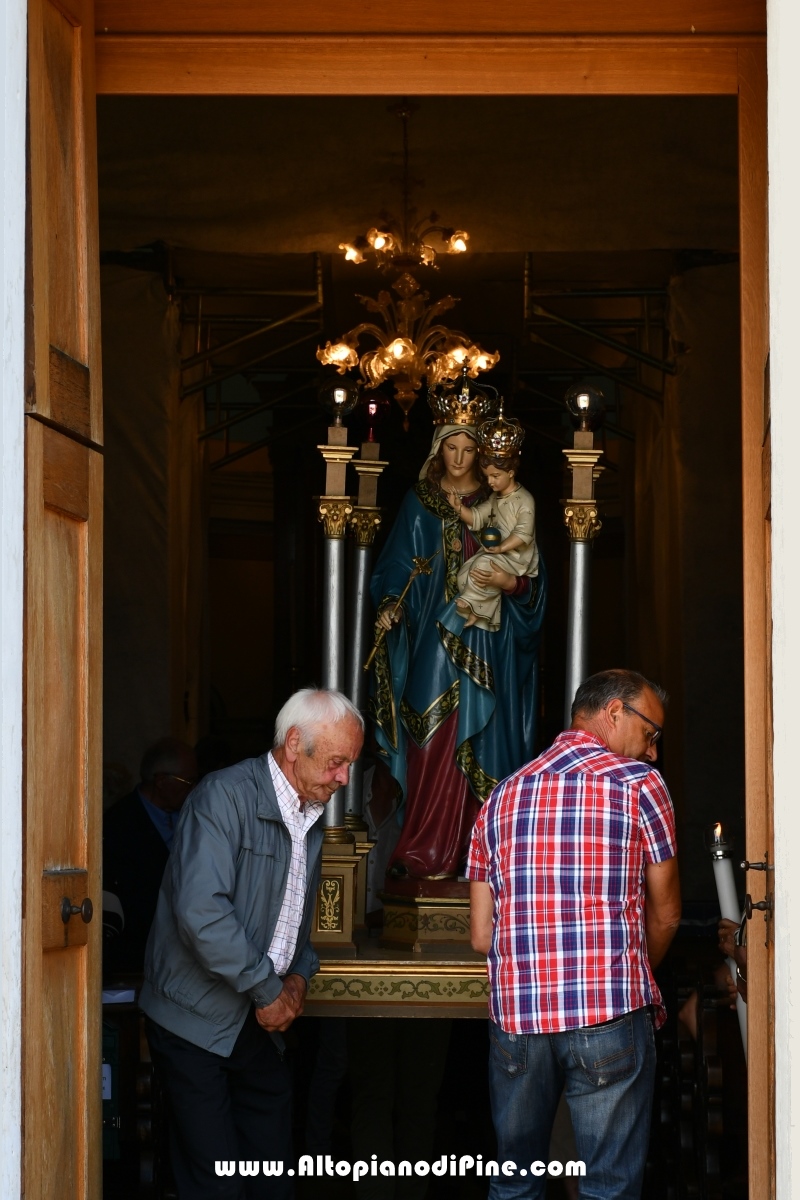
{"x":602,"y":230}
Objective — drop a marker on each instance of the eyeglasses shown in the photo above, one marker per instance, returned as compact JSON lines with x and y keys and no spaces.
{"x":657,"y":729}
{"x":190,"y":783}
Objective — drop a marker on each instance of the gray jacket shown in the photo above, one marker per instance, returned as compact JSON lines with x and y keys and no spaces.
{"x":207,"y":957}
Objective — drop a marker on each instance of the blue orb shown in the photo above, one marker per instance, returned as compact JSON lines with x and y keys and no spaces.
{"x":491,"y":537}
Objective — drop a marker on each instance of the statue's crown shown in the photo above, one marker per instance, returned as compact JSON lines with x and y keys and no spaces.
{"x":500,"y":436}
{"x":460,"y":403}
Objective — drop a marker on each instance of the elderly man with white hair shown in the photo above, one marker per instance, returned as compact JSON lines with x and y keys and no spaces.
{"x":229,"y":955}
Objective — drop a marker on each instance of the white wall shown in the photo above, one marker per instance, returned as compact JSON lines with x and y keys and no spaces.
{"x":12,"y":290}
{"x":784,"y":265}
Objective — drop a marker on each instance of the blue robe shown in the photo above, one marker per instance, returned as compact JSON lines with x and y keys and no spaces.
{"x":430,"y":667}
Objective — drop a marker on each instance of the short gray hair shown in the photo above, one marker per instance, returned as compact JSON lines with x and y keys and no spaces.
{"x":310,"y":708}
{"x":166,"y":757}
{"x":599,"y":690}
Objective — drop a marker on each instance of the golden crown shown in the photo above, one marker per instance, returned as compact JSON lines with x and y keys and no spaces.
{"x":500,"y":436}
{"x":460,"y":403}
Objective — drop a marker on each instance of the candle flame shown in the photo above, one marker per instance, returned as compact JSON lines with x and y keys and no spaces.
{"x":718,"y":831}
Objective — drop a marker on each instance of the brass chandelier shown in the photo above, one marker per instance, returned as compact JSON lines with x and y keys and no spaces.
{"x":413,"y":345}
{"x":404,"y":243}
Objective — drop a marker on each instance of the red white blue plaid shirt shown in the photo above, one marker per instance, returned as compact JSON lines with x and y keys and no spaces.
{"x":563,"y":844}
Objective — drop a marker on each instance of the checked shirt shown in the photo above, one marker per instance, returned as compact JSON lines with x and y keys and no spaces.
{"x":563,"y":844}
{"x":298,"y":819}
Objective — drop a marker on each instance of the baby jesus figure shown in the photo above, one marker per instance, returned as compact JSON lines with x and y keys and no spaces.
{"x":511,"y":508}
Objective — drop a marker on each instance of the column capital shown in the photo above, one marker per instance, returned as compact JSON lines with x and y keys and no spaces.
{"x":580,"y":518}
{"x":364,"y":521}
{"x":333,"y":513}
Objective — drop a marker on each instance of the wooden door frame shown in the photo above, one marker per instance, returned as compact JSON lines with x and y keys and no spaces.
{"x":13,"y":69}
{"x":617,"y":64}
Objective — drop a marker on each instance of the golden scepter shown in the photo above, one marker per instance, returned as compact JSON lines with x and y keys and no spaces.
{"x":422,"y":566}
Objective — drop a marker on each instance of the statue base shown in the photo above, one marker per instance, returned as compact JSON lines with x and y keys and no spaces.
{"x":419,"y":913}
{"x":439,"y":981}
{"x":409,"y":886}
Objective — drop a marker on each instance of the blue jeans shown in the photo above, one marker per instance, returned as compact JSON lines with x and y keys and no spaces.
{"x":608,"y":1072}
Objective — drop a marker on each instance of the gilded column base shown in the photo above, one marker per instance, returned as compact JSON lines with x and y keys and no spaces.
{"x":415,"y":922}
{"x":340,"y":838}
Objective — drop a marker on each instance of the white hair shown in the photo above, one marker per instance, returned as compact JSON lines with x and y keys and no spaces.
{"x":309,"y":709}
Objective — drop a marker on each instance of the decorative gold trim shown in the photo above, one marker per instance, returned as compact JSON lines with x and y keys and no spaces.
{"x":453,"y":924}
{"x":580,"y":457}
{"x":330,"y":905}
{"x":387,"y":987}
{"x":432,"y":498}
{"x":422,"y":726}
{"x":333,"y":513}
{"x":580,"y":518}
{"x":337,"y":454}
{"x":480,"y":781}
{"x":466,"y":660}
{"x":370,"y":466}
{"x":381,"y":704}
{"x":364,"y":523}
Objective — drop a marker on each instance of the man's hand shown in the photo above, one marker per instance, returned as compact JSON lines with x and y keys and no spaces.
{"x":296,"y":986}
{"x":278,"y":1016}
{"x":725,"y":931}
{"x":727,"y":944}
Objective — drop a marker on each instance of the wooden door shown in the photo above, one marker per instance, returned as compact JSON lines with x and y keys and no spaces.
{"x":63,"y":622}
{"x":756,"y":529}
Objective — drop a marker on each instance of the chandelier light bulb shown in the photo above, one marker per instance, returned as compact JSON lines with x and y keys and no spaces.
{"x":480,"y":360}
{"x":380,"y":239}
{"x":352,"y":252}
{"x":401,"y":349}
{"x":338,"y":354}
{"x":457,"y":244}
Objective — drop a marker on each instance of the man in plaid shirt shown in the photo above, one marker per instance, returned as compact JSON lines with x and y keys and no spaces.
{"x":575,"y":898}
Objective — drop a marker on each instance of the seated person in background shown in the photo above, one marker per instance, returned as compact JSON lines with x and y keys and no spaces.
{"x":137,"y":836}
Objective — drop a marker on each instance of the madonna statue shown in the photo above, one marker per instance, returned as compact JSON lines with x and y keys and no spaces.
{"x":454,"y":708}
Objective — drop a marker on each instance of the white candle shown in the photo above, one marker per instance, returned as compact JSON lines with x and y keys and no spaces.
{"x":729,"y":908}
{"x":726,"y":890}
